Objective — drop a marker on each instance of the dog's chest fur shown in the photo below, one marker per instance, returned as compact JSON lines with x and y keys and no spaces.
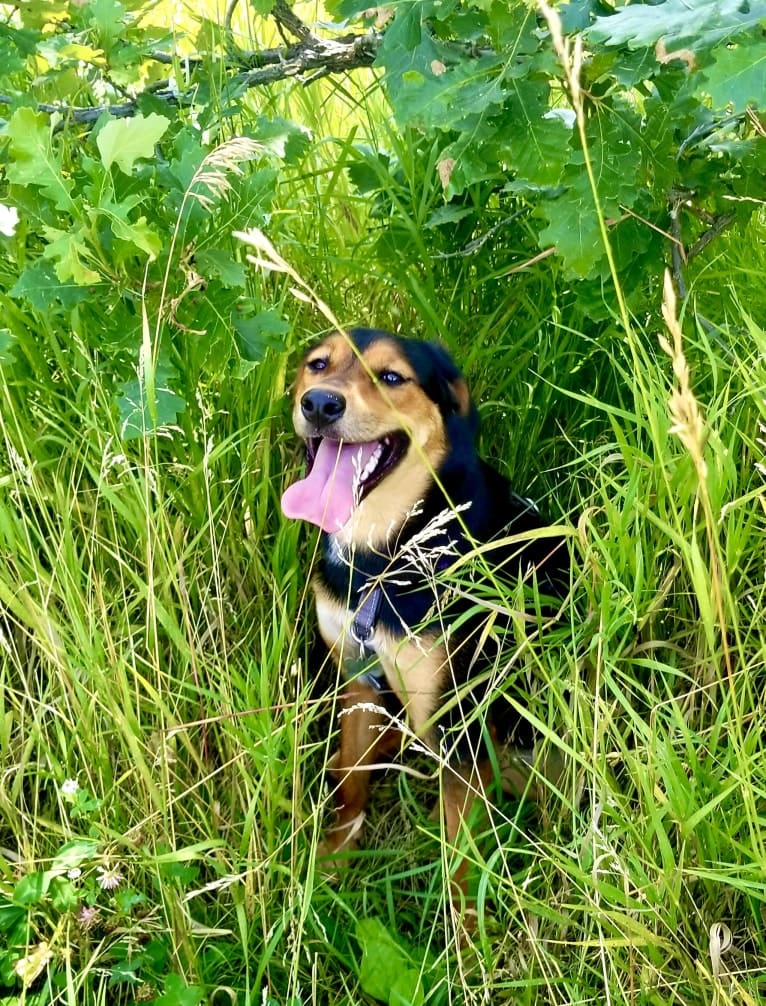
{"x":414,"y":662}
{"x":412,"y":643}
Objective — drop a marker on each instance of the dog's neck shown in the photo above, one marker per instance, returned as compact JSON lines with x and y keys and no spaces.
{"x":433,"y":533}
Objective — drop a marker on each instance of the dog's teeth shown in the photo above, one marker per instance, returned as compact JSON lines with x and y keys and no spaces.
{"x":372,"y":464}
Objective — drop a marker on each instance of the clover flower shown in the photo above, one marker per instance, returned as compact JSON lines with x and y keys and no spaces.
{"x":87,"y":916}
{"x":109,"y":878}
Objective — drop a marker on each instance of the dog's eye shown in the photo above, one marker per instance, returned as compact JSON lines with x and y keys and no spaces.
{"x":391,"y":378}
{"x":317,"y":364}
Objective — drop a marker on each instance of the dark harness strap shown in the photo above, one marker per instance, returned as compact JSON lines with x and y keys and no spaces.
{"x":362,"y":628}
{"x":376,"y":680}
{"x":366,"y":616}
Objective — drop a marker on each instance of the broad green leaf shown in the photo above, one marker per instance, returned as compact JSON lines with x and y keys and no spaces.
{"x":368,"y":169}
{"x":16,"y":44}
{"x":698,"y":24}
{"x":578,"y":14}
{"x":573,"y":228}
{"x":10,"y":917}
{"x":70,"y":254}
{"x":124,"y":972}
{"x":387,"y":972}
{"x":286,"y":139}
{"x":573,"y":225}
{"x":124,"y":141}
{"x":428,"y":86}
{"x":425,"y":97}
{"x":474,"y":161}
{"x":32,"y":159}
{"x":138,"y":234}
{"x":259,"y":333}
{"x":63,"y":894}
{"x":451,"y":213}
{"x":42,"y":289}
{"x":178,"y":993}
{"x":214,"y":262}
{"x":537,"y":140}
{"x":74,"y":853}
{"x":126,"y":900}
{"x":407,"y":989}
{"x":350,"y":9}
{"x":737,"y":76}
{"x":256,"y":192}
{"x":31,"y":888}
{"x":38,"y":13}
{"x":84,"y":53}
{"x":107,"y":18}
{"x":189,"y":154}
{"x":136,"y":418}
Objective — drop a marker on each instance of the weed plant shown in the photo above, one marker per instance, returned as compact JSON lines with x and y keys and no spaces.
{"x":166,"y":717}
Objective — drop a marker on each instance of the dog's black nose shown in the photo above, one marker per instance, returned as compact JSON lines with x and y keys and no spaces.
{"x":320,"y":408}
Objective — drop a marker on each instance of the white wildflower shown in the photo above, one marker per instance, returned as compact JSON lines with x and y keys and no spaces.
{"x":69,"y":787}
{"x":109,"y":878}
{"x":9,"y":219}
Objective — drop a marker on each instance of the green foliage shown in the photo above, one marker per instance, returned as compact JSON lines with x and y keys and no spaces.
{"x":124,"y":141}
{"x":699,"y":24}
{"x":482,"y":80}
{"x":131,"y":218}
{"x":736,"y":76}
{"x":165,"y":722}
{"x":33,"y":159}
{"x":389,"y":972}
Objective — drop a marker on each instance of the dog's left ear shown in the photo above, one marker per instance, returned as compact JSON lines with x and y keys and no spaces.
{"x":448,"y":388}
{"x":461,"y":400}
{"x":454,"y":398}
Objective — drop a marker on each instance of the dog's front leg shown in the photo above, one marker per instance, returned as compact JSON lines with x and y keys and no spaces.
{"x":461,"y":786}
{"x":365,"y":733}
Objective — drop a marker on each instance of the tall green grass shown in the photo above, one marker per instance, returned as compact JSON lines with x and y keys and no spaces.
{"x":156,"y":646}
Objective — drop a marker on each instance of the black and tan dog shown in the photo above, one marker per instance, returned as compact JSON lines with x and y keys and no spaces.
{"x":395,"y":484}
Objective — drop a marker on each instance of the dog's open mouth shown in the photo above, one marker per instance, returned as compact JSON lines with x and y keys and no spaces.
{"x":339,"y":474}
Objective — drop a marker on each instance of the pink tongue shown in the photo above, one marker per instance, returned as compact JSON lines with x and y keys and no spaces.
{"x":326,"y":496}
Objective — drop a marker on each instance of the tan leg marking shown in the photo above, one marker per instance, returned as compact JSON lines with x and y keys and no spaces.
{"x":365,"y":733}
{"x":461,"y":787}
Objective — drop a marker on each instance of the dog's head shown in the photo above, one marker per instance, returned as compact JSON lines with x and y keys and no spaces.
{"x":379,"y":414}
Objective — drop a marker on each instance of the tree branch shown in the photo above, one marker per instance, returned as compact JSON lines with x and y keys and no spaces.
{"x":309,"y":58}
{"x":681,"y":257}
{"x":286,"y":18}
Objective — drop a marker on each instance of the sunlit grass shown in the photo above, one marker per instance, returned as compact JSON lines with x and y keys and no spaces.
{"x":156,"y":645}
